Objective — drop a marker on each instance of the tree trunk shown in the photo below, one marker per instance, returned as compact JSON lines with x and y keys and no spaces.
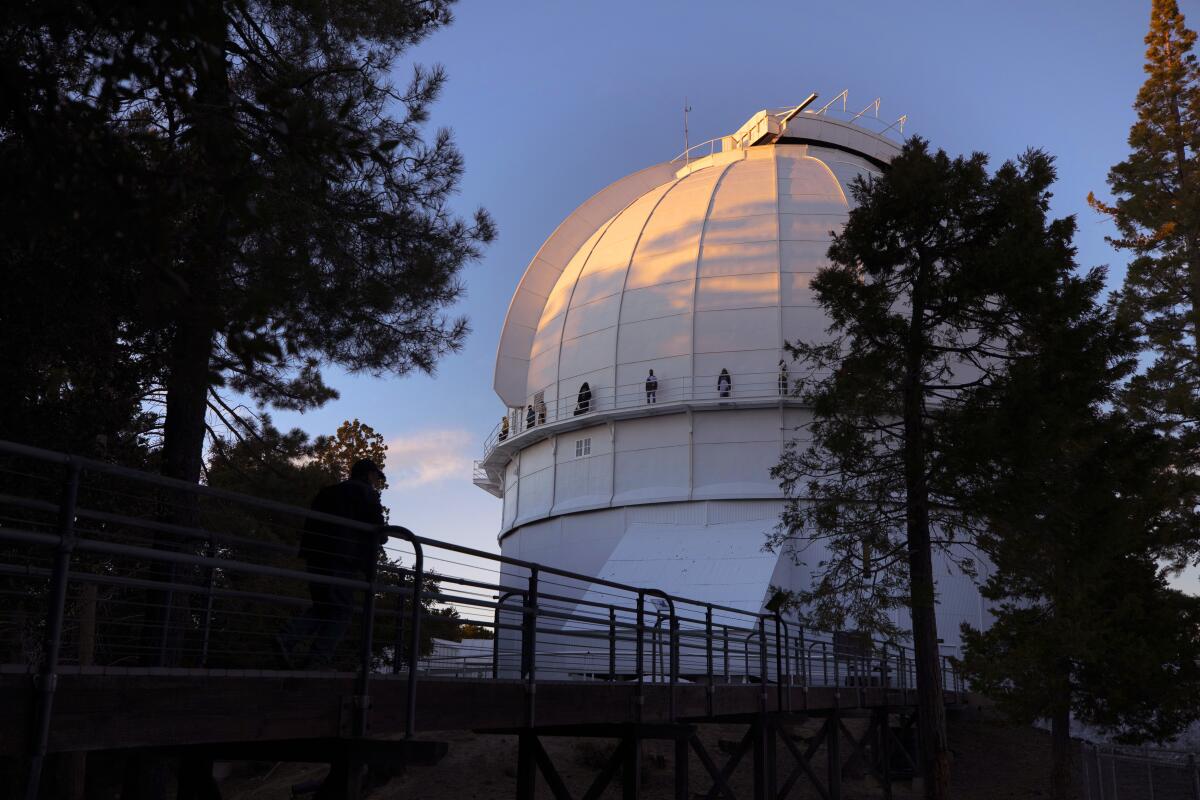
{"x":191,"y":350}
{"x":1060,"y":746}
{"x":931,"y":711}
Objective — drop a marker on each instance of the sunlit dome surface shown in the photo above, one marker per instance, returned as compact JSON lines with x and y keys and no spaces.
{"x":701,"y":267}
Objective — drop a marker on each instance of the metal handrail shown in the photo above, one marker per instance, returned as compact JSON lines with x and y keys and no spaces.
{"x":671,"y":391}
{"x":556,"y":609}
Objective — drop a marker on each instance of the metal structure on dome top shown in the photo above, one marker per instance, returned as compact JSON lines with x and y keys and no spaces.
{"x":640,"y":365}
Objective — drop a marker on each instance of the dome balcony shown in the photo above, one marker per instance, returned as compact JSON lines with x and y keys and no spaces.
{"x":540,"y":419}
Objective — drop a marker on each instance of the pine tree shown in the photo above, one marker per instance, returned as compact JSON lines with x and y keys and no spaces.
{"x":1157,"y":214}
{"x":1077,"y":498}
{"x":352,"y":441}
{"x":926,"y":289}
{"x":285,"y":207}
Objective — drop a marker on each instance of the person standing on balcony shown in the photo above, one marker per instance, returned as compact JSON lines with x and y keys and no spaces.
{"x":783,"y":378}
{"x":335,"y":551}
{"x":724,"y":383}
{"x":651,"y":388}
{"x":584,"y":403}
{"x":529,"y":417}
{"x":503,"y":428}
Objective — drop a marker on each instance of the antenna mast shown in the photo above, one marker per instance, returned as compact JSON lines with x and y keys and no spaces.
{"x":686,"y":155}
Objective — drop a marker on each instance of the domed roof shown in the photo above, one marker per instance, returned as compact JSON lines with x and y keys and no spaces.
{"x":686,"y":269}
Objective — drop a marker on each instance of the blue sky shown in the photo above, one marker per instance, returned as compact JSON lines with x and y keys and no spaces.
{"x":551,"y":101}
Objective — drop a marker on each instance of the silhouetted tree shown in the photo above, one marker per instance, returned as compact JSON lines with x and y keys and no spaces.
{"x":925,"y":292}
{"x":1157,"y":213}
{"x":1076,"y":499}
{"x":352,"y":441}
{"x":291,"y":213}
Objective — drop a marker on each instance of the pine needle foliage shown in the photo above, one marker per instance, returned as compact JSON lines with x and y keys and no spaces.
{"x":927,"y":290}
{"x":1157,"y":215}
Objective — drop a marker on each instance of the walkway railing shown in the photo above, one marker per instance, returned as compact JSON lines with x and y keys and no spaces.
{"x":104,"y":568}
{"x":575,"y":403}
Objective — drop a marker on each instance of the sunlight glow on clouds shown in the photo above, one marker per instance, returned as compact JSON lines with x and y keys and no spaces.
{"x":429,"y":456}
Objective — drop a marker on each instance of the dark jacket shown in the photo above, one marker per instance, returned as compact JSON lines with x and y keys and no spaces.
{"x":326,"y":545}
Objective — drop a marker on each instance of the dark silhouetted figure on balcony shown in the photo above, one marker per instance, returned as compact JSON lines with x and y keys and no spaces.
{"x":724,"y":384}
{"x":651,"y":388}
{"x":584,"y":404}
{"x":336,"y":551}
{"x":503,"y":428}
{"x":783,"y":378}
{"x":530,"y":417}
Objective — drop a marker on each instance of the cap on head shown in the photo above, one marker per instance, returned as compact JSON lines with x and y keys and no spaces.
{"x":365,"y":468}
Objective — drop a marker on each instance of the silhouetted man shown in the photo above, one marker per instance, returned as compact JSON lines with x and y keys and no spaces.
{"x":651,"y":388}
{"x":338,"y":551}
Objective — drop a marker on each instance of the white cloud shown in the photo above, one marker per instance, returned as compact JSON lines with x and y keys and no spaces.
{"x":428,"y":457}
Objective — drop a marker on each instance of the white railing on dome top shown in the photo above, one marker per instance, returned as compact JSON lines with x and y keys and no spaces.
{"x":881,"y":127}
{"x":671,"y":391}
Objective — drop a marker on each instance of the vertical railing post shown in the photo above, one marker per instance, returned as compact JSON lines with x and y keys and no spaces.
{"x":639,"y":653}
{"x":210,"y":581}
{"x":762,"y":663}
{"x":612,"y":643}
{"x":398,"y":633}
{"x":55,"y":614}
{"x":362,"y":698}
{"x":414,"y":637}
{"x":725,"y":651}
{"x":802,"y":654}
{"x":708,"y":658}
{"x":673,"y":663}
{"x":529,"y":644}
{"x":781,"y":672}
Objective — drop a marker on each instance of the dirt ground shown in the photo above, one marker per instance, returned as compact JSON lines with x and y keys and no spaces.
{"x":991,"y":761}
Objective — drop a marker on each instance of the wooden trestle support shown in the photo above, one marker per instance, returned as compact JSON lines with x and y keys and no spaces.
{"x":885,"y":750}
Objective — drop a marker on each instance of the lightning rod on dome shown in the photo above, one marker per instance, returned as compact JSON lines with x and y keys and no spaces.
{"x":686,"y":148}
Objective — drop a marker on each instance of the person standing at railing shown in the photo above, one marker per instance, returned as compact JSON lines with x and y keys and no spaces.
{"x":529,"y":417}
{"x":651,"y":388}
{"x":332,"y":550}
{"x":724,"y":383}
{"x":503,"y":428}
{"x":783,"y":378}
{"x":584,"y":403}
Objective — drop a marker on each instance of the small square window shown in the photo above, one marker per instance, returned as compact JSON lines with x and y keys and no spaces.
{"x":583,"y":447}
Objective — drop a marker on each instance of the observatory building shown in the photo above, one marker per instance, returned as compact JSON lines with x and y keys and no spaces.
{"x":697,"y":269}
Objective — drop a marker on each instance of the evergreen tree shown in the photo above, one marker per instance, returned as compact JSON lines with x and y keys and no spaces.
{"x":925,"y":291}
{"x":290,"y":213}
{"x":1077,"y":498}
{"x":1157,"y":214}
{"x":352,"y":441}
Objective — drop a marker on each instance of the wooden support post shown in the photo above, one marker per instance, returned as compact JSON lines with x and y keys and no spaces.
{"x":760,"y":759}
{"x":196,"y":779}
{"x":833,"y":738}
{"x":771,"y":731}
{"x":681,"y":767}
{"x":631,"y":770}
{"x":885,"y":751}
{"x":75,"y":768}
{"x":526,"y":766}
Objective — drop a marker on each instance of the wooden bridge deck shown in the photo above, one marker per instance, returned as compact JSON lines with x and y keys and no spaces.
{"x":110,"y":708}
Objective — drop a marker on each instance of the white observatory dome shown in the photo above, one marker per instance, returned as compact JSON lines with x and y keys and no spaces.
{"x":696,"y":269}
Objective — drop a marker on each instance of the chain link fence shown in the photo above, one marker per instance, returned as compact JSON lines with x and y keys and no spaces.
{"x":1112,"y":772}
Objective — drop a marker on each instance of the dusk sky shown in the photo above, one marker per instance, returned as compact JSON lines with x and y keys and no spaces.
{"x":551,"y":101}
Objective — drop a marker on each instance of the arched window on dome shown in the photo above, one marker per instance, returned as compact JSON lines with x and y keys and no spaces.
{"x":584,"y":403}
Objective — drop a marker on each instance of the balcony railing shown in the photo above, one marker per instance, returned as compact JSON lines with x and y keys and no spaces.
{"x":671,"y":391}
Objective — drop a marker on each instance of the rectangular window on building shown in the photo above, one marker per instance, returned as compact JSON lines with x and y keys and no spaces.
{"x":583,"y":447}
